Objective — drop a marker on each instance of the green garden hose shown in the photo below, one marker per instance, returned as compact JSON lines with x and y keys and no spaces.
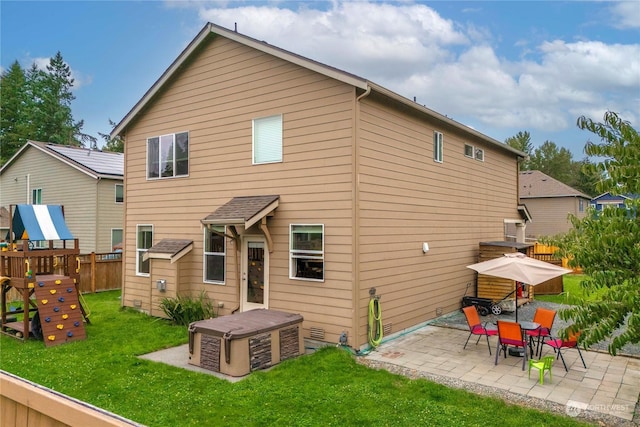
{"x":375,"y":322}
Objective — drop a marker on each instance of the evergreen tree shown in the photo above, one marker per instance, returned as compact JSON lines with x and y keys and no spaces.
{"x":553,"y":161}
{"x":116,"y":144}
{"x":522,"y":141}
{"x":606,"y":244}
{"x":13,"y":103}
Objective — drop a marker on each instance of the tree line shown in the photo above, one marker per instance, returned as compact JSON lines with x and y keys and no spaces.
{"x":35,"y":104}
{"x":558,"y":163}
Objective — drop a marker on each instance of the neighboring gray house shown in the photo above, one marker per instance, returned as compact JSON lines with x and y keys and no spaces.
{"x":549,"y":202}
{"x":88,"y":183}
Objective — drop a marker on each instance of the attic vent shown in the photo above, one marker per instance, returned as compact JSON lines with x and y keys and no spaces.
{"x":386,"y":328}
{"x":317,"y":333}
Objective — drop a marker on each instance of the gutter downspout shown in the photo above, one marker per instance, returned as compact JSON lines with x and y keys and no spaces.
{"x":355,"y":235}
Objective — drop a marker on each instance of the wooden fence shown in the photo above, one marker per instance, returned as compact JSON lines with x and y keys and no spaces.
{"x":25,"y":403}
{"x":98,"y":272}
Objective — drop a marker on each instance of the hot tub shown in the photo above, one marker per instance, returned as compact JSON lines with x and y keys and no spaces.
{"x":241,"y":343}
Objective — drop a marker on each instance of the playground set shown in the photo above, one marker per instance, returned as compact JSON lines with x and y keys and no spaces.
{"x":44,"y":276}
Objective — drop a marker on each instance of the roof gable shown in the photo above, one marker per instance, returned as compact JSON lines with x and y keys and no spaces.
{"x":535,"y":184}
{"x":364,"y":86}
{"x":95,"y":163}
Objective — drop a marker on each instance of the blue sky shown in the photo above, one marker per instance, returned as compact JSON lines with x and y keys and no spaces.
{"x":500,"y":67}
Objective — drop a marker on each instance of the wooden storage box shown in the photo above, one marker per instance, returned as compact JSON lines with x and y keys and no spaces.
{"x":242,"y":343}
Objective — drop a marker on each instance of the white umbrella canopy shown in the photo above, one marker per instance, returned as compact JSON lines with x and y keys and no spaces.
{"x":519,"y":267}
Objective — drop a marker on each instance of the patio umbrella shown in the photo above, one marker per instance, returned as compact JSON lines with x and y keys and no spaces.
{"x":519,"y":267}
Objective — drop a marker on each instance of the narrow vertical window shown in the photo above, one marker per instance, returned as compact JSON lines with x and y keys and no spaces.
{"x":36,"y":196}
{"x":480,"y":154}
{"x":437,"y":146}
{"x":119,"y":193}
{"x":267,"y":139}
{"x":144,"y":240}
{"x":116,"y":239}
{"x":214,"y":255}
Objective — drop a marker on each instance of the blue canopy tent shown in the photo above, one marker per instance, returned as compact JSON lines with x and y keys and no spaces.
{"x":39,"y":222}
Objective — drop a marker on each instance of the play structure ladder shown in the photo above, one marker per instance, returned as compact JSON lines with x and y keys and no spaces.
{"x":59,"y":310}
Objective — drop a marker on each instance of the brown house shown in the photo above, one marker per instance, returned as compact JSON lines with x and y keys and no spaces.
{"x":269,"y":180}
{"x":549,"y":202}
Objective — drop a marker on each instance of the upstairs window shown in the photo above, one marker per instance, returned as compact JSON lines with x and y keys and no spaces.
{"x":468,"y":150}
{"x":480,"y":154}
{"x":267,"y":139}
{"x":168,"y":156}
{"x":437,"y":146}
{"x":119,"y":193}
{"x":306,"y":252}
{"x":36,"y":196}
{"x":214,"y":255}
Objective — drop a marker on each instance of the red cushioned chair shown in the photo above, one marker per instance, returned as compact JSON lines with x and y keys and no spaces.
{"x":477,"y":328}
{"x":571,"y":342}
{"x":544,"y":317}
{"x":510,"y":334}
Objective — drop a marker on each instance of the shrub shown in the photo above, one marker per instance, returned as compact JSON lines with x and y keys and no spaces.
{"x":185,"y":309}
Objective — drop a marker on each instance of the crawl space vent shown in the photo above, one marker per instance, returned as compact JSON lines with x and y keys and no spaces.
{"x":386,"y":329}
{"x":317,"y":333}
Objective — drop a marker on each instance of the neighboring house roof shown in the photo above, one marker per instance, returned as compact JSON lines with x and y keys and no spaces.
{"x":246,"y":210}
{"x":364,"y":85}
{"x":4,"y":218}
{"x":95,"y":163}
{"x":535,"y":184}
{"x":609,"y":196}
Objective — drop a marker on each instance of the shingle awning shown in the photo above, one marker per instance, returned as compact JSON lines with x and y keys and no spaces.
{"x":245,"y":211}
{"x":171,"y":249}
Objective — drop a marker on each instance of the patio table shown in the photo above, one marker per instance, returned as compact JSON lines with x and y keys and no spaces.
{"x":526,"y":326}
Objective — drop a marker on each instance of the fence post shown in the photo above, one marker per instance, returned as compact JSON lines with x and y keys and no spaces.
{"x":93,"y":272}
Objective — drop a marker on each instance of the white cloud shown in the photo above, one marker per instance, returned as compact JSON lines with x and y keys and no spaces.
{"x":449,"y":66}
{"x":626,"y":14}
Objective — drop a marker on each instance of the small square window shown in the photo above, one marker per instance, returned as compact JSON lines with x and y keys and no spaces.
{"x":480,"y":154}
{"x":468,"y":150}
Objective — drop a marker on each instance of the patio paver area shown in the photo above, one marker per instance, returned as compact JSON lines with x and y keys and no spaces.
{"x":610,"y":385}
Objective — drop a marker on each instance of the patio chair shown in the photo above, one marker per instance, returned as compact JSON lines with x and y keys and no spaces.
{"x":571,"y":342}
{"x":477,"y":328}
{"x":543,"y":366}
{"x":510,"y":334}
{"x":544,"y":317}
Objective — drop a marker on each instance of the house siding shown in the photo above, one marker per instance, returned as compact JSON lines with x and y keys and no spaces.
{"x":109,"y":213}
{"x":550,"y":215}
{"x":61,"y":185}
{"x":406,"y":198}
{"x":215,"y":99}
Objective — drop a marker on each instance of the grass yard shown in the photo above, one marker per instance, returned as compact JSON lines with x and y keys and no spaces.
{"x":572,"y":290}
{"x":327,"y":388}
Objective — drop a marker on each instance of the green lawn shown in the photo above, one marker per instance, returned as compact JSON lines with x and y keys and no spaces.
{"x":572,"y":291}
{"x":323,"y":389}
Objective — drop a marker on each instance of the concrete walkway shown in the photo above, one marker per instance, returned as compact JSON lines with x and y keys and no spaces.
{"x":610,"y":385}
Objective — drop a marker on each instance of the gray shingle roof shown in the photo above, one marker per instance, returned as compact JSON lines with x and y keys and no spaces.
{"x":170,"y":246}
{"x":240,"y":209}
{"x":537,"y":184}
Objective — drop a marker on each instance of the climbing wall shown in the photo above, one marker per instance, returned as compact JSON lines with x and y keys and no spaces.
{"x":60,"y":311}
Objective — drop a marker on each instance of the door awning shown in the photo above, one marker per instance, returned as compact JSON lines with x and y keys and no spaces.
{"x":39,"y":222}
{"x":245,"y":211}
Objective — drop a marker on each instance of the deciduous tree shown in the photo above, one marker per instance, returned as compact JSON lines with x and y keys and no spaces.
{"x":606,"y":244}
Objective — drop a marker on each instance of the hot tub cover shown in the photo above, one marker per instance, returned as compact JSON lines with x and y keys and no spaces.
{"x":245,"y":324}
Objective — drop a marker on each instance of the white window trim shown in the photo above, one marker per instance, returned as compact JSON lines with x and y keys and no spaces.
{"x":253,"y":140}
{"x":291,"y":252}
{"x":481,"y":152}
{"x":473,"y":151}
{"x":115,"y":196}
{"x":122,"y":230}
{"x":204,"y":259}
{"x":174,"y":152}
{"x":438,"y":147}
{"x":138,"y":273}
